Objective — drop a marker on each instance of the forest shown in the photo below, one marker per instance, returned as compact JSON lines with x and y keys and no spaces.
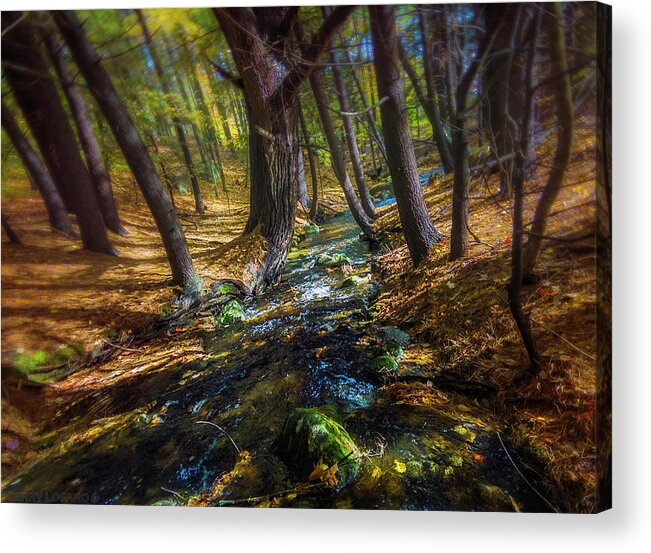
{"x":310,"y":257}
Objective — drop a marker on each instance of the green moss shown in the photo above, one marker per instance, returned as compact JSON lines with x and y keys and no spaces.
{"x":226,"y":288}
{"x":232,"y":312}
{"x":332,"y":260}
{"x":315,"y":436}
{"x":384,"y":364}
{"x":311,"y":228}
{"x":29,"y":361}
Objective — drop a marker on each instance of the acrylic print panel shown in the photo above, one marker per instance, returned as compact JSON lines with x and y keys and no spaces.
{"x":348,"y":257}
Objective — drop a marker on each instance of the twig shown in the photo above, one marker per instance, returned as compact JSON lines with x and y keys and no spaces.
{"x":541,"y":496}
{"x":111,"y":344}
{"x":223,"y":431}
{"x":577,"y":348}
{"x":175,"y":494}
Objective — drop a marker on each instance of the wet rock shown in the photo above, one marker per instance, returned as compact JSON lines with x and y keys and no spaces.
{"x":231,"y":313}
{"x":332,"y":260}
{"x":384,"y":365}
{"x":351,"y":281}
{"x":313,"y":437}
{"x":311,"y":228}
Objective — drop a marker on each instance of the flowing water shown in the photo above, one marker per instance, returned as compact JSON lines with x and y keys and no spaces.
{"x":306,"y":342}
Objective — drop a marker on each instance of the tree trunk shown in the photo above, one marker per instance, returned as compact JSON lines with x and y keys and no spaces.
{"x":87,"y":137}
{"x":460,"y":192}
{"x":11,"y":234}
{"x":178,"y":123}
{"x":133,"y":149}
{"x":432,"y":95}
{"x":374,"y":133}
{"x":56,"y":210}
{"x":260,"y":40}
{"x":417,"y":226}
{"x":520,"y":170}
{"x":38,"y":98}
{"x":351,"y":140}
{"x":565,"y":125}
{"x":208,"y":125}
{"x":337,"y":157}
{"x":460,"y":199}
{"x":314,"y":205}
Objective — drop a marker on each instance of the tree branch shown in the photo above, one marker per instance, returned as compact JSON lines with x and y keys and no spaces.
{"x":315,"y":49}
{"x":226,"y":74}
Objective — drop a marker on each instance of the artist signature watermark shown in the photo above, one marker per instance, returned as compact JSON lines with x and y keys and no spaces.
{"x":83,"y":498}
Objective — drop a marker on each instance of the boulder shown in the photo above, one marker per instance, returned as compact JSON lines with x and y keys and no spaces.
{"x":314,"y":437}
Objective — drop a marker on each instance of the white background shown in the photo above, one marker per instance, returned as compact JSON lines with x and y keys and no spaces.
{"x":625,"y":528}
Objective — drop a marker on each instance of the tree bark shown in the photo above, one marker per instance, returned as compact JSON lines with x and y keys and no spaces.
{"x":87,"y":137}
{"x":260,"y":40}
{"x":314,"y":204}
{"x":35,"y":93}
{"x":432,"y":96}
{"x":351,"y":138}
{"x":565,"y":124}
{"x":460,"y":192}
{"x":520,"y":170}
{"x":178,"y":123}
{"x":337,"y":157}
{"x":133,"y":149}
{"x":56,"y":210}
{"x":417,"y":226}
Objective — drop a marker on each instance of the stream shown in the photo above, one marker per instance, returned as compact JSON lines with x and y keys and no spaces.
{"x":305,"y":343}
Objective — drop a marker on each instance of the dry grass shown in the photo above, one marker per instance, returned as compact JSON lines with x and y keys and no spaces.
{"x":459,"y":312}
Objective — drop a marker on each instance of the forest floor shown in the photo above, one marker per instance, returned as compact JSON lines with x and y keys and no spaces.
{"x":459,"y":320}
{"x":56,"y":296}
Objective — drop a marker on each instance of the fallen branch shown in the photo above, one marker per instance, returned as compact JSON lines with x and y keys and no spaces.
{"x":541,"y":496}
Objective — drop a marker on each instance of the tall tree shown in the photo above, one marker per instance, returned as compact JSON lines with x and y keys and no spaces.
{"x":133,"y":150}
{"x":502,"y":78}
{"x":555,"y":31}
{"x":166,"y":87}
{"x":264,"y":48}
{"x":417,"y":226}
{"x":349,"y":129}
{"x":337,"y":156}
{"x":432,"y":108}
{"x":87,"y":137}
{"x":459,"y":110}
{"x":520,"y":172}
{"x":35,"y":93}
{"x":314,"y":202}
{"x":56,"y":210}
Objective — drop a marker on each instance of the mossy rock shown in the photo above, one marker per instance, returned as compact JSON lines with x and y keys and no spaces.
{"x":332,"y":260}
{"x":224,"y":289}
{"x":311,"y":228}
{"x":316,"y":436}
{"x":384,"y":364}
{"x":231,"y":313}
{"x":351,"y":281}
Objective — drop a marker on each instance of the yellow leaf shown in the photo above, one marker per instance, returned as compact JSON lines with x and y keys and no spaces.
{"x":399,"y":467}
